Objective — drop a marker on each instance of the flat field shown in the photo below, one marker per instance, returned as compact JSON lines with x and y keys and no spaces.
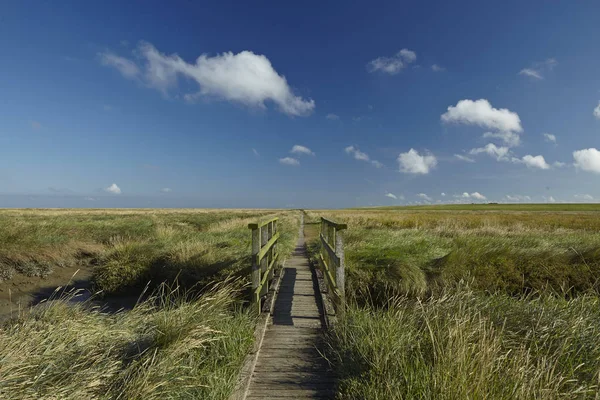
{"x":185,"y":340}
{"x":469,"y":302}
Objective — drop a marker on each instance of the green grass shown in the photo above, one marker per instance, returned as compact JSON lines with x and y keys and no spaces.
{"x":172,"y":345}
{"x":468,"y":304}
{"x":129,"y":248}
{"x":497,"y":207}
{"x":185,"y":343}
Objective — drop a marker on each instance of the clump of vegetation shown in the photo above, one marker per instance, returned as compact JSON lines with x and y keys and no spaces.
{"x":469,"y":345}
{"x":129,"y":248}
{"x":173,"y":345}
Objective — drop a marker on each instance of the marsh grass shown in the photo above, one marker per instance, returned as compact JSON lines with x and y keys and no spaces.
{"x":129,"y":248}
{"x":460,"y":304}
{"x":175,"y":345}
{"x":468,"y":345}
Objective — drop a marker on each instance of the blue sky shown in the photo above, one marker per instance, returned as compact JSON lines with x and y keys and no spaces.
{"x":190,"y":104}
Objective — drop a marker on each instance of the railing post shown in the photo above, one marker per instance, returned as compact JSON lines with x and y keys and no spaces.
{"x":255,"y":266}
{"x":264,"y":263}
{"x":340,"y":269}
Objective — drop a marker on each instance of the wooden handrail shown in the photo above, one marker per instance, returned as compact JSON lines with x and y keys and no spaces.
{"x":332,"y":261}
{"x":260,"y":225}
{"x":264,"y":258}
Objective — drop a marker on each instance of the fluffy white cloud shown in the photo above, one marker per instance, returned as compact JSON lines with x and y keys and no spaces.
{"x":359,"y":155}
{"x":550,"y":199}
{"x":586,"y":197}
{"x":549,"y":137}
{"x":391,"y":196}
{"x":535,"y":162}
{"x":300,"y":150}
{"x":165,"y":190}
{"x":244,"y":78}
{"x":289,"y":161}
{"x":587,"y":160}
{"x":114,"y":189}
{"x":333,"y":117}
{"x":597,"y":111}
{"x":443,"y":194}
{"x":481,"y":113}
{"x":499,"y":153}
{"x":392,"y":65}
{"x":464,"y":158}
{"x":511,"y":139}
{"x":412,"y":162}
{"x":437,"y":68}
{"x":474,"y":195}
{"x":424,"y":197}
{"x":535,"y":72}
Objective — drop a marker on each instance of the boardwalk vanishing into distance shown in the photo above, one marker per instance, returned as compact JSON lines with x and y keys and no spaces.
{"x":289,"y":363}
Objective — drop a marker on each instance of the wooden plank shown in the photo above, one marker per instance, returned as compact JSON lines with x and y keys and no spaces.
{"x":290,"y":364}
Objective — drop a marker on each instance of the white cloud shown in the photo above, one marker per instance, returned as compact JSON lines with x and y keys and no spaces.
{"x":517,"y":198}
{"x":114,"y":189}
{"x":89,"y":199}
{"x":244,"y":78}
{"x":587,"y":197}
{"x":412,"y":162}
{"x":499,"y":153}
{"x":464,"y":158}
{"x":300,"y":150}
{"x":359,"y":155}
{"x":166,"y":190}
{"x":511,"y":139}
{"x":549,"y":137}
{"x":392,"y":65}
{"x":443,"y":194}
{"x":474,"y":195}
{"x":424,"y":197}
{"x":587,"y":160}
{"x":549,"y":199}
{"x":559,"y":164}
{"x":289,"y":161}
{"x":255,"y":152}
{"x":538,"y":68}
{"x":391,"y":196}
{"x":437,"y":68}
{"x":481,"y":113}
{"x":597,"y":111}
{"x":535,"y":162}
{"x":408,"y":55}
{"x":532,"y":73}
{"x":126,"y":67}
{"x":333,"y":117}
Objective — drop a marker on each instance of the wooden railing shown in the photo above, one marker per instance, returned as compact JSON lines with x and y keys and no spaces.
{"x":332,"y":261}
{"x":264,"y":258}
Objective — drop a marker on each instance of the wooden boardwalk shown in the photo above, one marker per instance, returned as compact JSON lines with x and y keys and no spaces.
{"x":289,"y":365}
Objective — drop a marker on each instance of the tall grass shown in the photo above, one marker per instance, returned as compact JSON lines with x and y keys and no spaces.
{"x":526,"y":326}
{"x":129,"y":248}
{"x":173,"y":345}
{"x":467,"y":345}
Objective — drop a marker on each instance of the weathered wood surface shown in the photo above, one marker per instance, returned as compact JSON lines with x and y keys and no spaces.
{"x":290,"y":365}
